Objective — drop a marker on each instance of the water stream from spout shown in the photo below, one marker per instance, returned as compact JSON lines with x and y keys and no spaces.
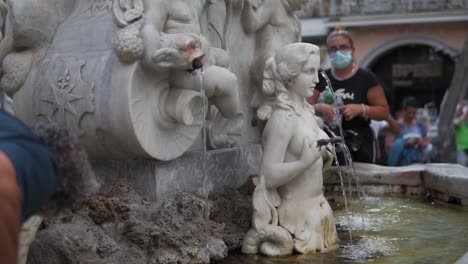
{"x":350,"y":170}
{"x":348,"y":162}
{"x":205,"y":183}
{"x":343,"y":190}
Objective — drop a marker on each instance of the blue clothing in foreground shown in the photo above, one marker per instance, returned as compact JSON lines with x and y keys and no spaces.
{"x":34,"y":163}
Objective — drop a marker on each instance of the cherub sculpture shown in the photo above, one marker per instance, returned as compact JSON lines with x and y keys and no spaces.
{"x":290,"y":210}
{"x":23,"y":40}
{"x":171,"y":43}
{"x":275,"y":26}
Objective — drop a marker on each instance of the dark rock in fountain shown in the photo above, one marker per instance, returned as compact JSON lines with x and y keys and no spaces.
{"x":234,"y":210}
{"x":119,"y":226}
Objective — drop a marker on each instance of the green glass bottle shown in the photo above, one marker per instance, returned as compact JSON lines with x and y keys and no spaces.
{"x":328,"y":96}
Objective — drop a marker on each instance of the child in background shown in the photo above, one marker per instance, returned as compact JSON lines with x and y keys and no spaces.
{"x":461,"y":131}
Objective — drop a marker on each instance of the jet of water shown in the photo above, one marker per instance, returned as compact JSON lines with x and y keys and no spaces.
{"x":206,"y":210}
{"x":349,"y":165}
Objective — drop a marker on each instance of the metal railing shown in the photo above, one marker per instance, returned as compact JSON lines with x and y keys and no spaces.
{"x":336,"y":8}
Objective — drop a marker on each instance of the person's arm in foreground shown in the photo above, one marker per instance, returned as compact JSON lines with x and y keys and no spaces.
{"x":27,"y":180}
{"x":10,"y":211}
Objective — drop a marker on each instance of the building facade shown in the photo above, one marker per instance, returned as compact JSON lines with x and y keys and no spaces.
{"x":411,"y":45}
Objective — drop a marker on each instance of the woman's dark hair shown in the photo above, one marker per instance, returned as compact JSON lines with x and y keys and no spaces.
{"x":75,"y":174}
{"x":410,"y":101}
{"x":341,"y":31}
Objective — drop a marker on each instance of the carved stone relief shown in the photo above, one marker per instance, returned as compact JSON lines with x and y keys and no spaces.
{"x":274,"y":25}
{"x":123,"y":73}
{"x":62,"y":96}
{"x":27,"y":29}
{"x":173,"y":45}
{"x":128,"y":15}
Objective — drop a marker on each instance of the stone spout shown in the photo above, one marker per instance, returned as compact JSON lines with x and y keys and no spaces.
{"x":179,"y":105}
{"x":197,"y":63}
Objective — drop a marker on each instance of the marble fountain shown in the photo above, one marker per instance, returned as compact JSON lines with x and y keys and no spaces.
{"x":170,"y":99}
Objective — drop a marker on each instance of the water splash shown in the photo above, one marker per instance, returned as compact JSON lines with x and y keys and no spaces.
{"x":369,"y":248}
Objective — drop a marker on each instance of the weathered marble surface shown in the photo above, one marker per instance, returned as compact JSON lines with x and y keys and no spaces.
{"x":227,"y":168}
{"x":274,"y":25}
{"x":28,"y":27}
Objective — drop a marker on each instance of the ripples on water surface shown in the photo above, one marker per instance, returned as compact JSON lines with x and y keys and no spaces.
{"x":395,"y":230}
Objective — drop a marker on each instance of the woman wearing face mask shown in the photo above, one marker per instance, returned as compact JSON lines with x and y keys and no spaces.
{"x":363,"y":97}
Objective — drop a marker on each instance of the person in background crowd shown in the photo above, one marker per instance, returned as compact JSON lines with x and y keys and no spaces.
{"x":383,"y":130}
{"x":413,"y":145}
{"x":362,"y":96}
{"x":461,"y":131}
{"x":390,"y":137}
{"x":33,"y":168}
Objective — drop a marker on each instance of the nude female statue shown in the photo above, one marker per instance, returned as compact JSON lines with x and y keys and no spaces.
{"x":290,"y":210}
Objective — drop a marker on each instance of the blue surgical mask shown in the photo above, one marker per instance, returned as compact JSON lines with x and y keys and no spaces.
{"x":341,"y":59}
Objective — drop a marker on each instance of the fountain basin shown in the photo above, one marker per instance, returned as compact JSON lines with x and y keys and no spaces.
{"x":416,"y":215}
{"x":396,"y":229}
{"x":444,"y":182}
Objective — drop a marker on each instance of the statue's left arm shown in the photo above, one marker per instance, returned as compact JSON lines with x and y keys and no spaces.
{"x":327,"y":156}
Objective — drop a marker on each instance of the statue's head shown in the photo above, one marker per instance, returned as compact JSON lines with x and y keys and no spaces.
{"x":287,"y":64}
{"x":294,"y":66}
{"x":291,"y":58}
{"x":179,"y":51}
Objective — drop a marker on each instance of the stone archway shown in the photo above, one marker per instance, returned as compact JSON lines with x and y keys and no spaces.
{"x":416,"y":65}
{"x":413,"y":39}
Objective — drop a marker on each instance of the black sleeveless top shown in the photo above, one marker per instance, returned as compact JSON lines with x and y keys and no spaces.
{"x":354,"y":91}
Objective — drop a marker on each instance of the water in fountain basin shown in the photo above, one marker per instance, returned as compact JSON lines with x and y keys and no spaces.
{"x":399,"y":230}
